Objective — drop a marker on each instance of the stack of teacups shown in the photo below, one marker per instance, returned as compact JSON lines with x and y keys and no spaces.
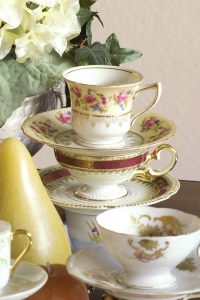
{"x":103,"y":111}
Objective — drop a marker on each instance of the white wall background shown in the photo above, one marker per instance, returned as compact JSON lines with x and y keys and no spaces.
{"x":167,"y":32}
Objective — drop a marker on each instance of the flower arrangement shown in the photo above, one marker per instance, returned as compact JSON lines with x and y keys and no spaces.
{"x":39,"y":39}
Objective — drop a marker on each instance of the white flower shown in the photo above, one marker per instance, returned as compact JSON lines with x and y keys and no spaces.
{"x":30,"y":17}
{"x":64,"y":24}
{"x":37,"y":29}
{"x":35,"y":44}
{"x":62,"y":21}
{"x":69,"y":5}
{"x":11,"y":11}
{"x":48,"y":3}
{"x":7,"y":39}
{"x":59,"y":44}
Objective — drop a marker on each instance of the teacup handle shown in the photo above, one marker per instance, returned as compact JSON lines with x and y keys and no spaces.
{"x":158,"y":89}
{"x":26,"y":249}
{"x":148,"y":174}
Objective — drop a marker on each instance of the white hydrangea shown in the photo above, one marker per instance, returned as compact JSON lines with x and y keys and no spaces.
{"x":11,"y":11}
{"x":48,"y":3}
{"x":35,"y":44}
{"x":36,"y":30}
{"x":7,"y":39}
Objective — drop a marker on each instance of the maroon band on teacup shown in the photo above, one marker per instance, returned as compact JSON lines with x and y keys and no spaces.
{"x":102,"y":165}
{"x":54,"y":175}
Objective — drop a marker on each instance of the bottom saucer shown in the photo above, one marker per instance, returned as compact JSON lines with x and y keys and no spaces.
{"x":27,"y":280}
{"x":123,"y":296}
{"x":61,"y":188}
{"x":96,"y":267}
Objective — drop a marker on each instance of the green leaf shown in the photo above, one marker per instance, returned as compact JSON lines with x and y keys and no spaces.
{"x":94,"y":55}
{"x":89,"y":32}
{"x":18,"y":81}
{"x":86,"y":3}
{"x":119,"y":55}
{"x":84,"y":15}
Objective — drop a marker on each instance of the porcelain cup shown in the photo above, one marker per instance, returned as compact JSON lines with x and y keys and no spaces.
{"x":6,"y":236}
{"x":148,"y":242}
{"x":103,"y":103}
{"x":101,"y":177}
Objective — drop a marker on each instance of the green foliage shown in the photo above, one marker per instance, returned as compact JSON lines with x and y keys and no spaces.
{"x":109,"y":53}
{"x":86,"y":3}
{"x":119,"y":55}
{"x":84,"y":15}
{"x":18,"y":81}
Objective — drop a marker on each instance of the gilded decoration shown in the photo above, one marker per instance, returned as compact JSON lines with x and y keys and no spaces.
{"x":162,"y":226}
{"x":147,"y":250}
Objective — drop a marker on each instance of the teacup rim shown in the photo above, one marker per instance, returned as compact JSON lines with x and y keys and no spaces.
{"x":69,"y":70}
{"x":146,"y":236}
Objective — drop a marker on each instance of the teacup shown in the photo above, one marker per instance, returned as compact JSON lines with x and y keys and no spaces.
{"x":6,"y":236}
{"x":101,"y":177}
{"x":148,"y":242}
{"x":103,"y":105}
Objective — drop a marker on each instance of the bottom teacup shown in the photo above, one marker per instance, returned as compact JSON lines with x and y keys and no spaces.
{"x":148,"y":242}
{"x":6,"y":236}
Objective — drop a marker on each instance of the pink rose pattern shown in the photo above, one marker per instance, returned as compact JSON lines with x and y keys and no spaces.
{"x":65,"y":117}
{"x":44,"y":127}
{"x":154,"y":125}
{"x":97,"y":101}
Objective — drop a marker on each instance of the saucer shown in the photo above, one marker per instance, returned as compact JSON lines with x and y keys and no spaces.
{"x":27,"y":280}
{"x":54,"y":129}
{"x":96,"y":267}
{"x":61,"y":188}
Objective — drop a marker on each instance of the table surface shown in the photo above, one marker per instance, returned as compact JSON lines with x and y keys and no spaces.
{"x":187,"y":199}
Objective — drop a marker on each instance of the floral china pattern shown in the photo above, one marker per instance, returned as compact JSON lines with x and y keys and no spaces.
{"x":159,"y":186}
{"x":44,"y":128}
{"x":64,"y":116}
{"x":187,"y":265}
{"x":162,"y":226}
{"x":54,"y":128}
{"x":92,"y":100}
{"x":93,"y":232}
{"x":147,"y":250}
{"x":154,"y":125}
{"x":100,"y":275}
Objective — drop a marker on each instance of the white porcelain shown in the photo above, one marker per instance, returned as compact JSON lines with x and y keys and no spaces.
{"x":27,"y":280}
{"x":6,"y":237}
{"x":81,"y":215}
{"x":61,"y":188}
{"x":54,"y":129}
{"x":102,"y":100}
{"x":82,"y":227}
{"x":96,"y":267}
{"x":148,"y":242}
{"x":101,"y":178}
{"x":124,"y":296}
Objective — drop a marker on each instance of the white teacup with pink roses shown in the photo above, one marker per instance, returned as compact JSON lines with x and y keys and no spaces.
{"x":103,"y":105}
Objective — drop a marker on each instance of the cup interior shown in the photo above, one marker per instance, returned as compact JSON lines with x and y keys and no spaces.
{"x":102,"y":76}
{"x":148,"y":221}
